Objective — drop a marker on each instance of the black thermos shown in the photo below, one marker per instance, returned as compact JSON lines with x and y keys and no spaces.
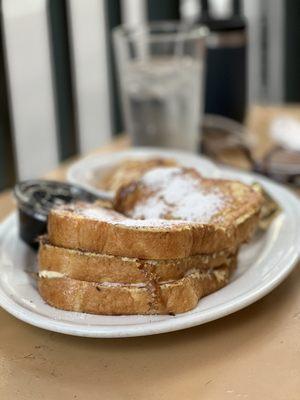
{"x":226,"y":63}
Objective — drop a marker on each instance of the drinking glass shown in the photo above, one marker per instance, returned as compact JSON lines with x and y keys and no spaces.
{"x":160,"y":68}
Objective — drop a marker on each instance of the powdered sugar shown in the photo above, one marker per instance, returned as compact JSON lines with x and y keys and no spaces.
{"x":99,"y":213}
{"x":151,"y":223}
{"x":149,"y":209}
{"x":119,"y":284}
{"x":113,"y":217}
{"x":178,"y":195}
{"x":160,"y":176}
{"x":193,"y":273}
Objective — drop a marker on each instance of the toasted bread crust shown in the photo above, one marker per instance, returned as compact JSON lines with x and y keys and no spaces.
{"x":71,"y":230}
{"x":74,"y":232}
{"x":95,"y":267}
{"x":94,"y":298}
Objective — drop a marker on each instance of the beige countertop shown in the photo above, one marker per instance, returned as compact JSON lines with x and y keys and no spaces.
{"x":252,"y":354}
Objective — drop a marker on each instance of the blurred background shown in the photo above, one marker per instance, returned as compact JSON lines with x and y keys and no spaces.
{"x":58,"y":86}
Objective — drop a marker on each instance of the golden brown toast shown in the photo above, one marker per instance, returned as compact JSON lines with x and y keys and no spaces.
{"x":95,"y":267}
{"x":92,"y":228}
{"x":114,"y":299}
{"x":212,"y":216}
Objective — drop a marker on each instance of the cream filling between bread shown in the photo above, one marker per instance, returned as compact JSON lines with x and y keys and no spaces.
{"x":203,"y":258}
{"x":220,"y":275}
{"x":58,"y":275}
{"x":51,"y":274}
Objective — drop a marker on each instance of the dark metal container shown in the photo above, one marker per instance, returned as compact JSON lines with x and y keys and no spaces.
{"x":226,"y":65}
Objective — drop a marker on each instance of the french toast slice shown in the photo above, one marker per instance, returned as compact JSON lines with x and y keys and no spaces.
{"x":120,"y":299}
{"x":95,"y":267}
{"x":202,"y":216}
{"x":90,"y":227}
{"x":178,"y":193}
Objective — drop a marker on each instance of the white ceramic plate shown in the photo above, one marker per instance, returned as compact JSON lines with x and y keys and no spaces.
{"x":85,"y":171}
{"x":263,"y":264}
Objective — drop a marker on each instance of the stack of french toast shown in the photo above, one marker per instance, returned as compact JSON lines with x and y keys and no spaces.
{"x":169,"y":238}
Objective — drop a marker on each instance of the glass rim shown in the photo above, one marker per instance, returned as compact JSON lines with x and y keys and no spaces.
{"x":167,"y":31}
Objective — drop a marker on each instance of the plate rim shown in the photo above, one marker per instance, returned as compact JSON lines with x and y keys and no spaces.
{"x":289,"y":259}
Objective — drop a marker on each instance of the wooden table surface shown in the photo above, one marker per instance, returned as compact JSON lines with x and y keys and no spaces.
{"x":252,"y":354}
